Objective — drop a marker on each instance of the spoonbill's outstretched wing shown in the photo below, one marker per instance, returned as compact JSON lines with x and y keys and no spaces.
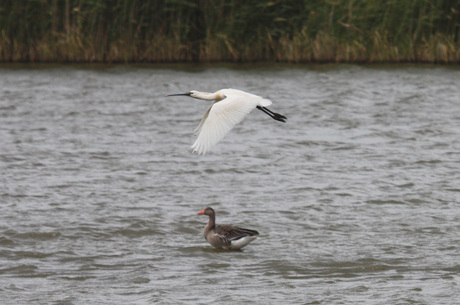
{"x":223,"y":115}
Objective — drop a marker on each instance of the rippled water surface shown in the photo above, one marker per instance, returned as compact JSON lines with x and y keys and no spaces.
{"x":356,"y":197}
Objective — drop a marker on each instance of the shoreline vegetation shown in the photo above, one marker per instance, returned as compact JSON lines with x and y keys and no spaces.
{"x":167,"y":31}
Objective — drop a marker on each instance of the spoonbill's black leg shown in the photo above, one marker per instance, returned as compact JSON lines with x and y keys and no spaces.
{"x":273,"y":115}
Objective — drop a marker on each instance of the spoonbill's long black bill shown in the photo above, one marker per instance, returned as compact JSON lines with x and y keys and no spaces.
{"x":186,"y":94}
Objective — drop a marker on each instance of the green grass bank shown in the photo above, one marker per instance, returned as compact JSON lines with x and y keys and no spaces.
{"x":366,"y":31}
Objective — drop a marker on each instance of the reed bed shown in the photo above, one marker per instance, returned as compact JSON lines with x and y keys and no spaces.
{"x":230,"y":30}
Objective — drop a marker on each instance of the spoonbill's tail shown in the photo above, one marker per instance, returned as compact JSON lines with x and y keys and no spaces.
{"x":273,"y":115}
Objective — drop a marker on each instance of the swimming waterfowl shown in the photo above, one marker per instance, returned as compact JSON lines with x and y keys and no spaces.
{"x":226,"y":237}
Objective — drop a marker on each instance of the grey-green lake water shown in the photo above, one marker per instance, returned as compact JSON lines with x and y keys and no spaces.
{"x":356,"y":198}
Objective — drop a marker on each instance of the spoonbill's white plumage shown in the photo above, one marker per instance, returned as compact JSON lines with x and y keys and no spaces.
{"x":229,"y":107}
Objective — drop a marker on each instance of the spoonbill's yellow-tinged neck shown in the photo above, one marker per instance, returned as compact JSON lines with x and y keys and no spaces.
{"x":216,"y":96}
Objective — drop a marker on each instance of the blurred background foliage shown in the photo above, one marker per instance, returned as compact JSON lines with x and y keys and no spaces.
{"x":230,"y":30}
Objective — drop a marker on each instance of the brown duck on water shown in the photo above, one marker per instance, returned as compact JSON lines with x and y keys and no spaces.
{"x":226,"y":237}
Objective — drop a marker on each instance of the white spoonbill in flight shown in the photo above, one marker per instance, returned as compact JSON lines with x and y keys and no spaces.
{"x":229,"y":107}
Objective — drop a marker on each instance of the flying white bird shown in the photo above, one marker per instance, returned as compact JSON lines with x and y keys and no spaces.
{"x":230,"y":106}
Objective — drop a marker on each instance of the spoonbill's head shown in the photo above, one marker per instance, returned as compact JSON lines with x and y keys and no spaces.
{"x":195,"y":94}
